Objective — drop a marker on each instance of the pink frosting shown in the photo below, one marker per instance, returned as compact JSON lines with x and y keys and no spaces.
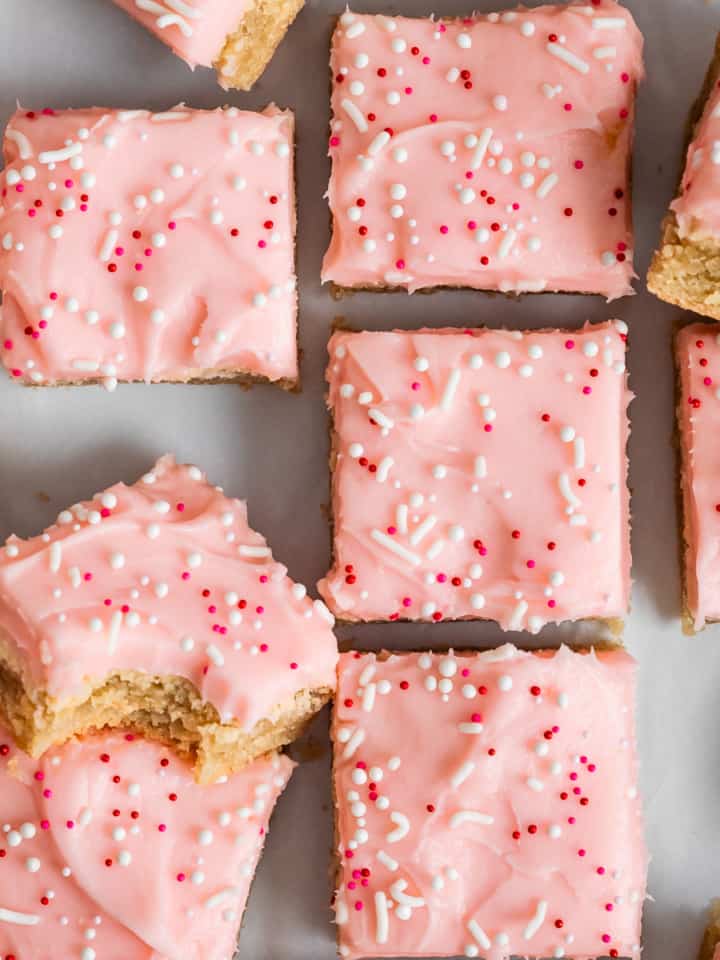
{"x":195,"y":30}
{"x":111,"y":851}
{"x":167,"y":577}
{"x":487,"y":806}
{"x":698,"y":360}
{"x":139,"y":246}
{"x":490,"y":152}
{"x":697,"y":208}
{"x":480,"y":473}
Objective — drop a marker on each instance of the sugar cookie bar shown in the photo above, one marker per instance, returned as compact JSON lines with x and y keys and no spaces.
{"x":697,"y":353}
{"x":236,"y":37}
{"x":487,"y":805}
{"x":490,"y":152}
{"x":155,"y":247}
{"x":156,"y":606}
{"x":685,"y":270}
{"x":480,"y":474}
{"x":98,"y":834}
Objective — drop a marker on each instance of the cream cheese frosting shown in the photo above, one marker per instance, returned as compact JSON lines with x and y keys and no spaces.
{"x":486,"y":805}
{"x":698,"y":362}
{"x":166,"y":577}
{"x":195,"y":30}
{"x":697,"y":207}
{"x":110,"y":850}
{"x":140,"y":246}
{"x":480,"y":473}
{"x":490,"y":152}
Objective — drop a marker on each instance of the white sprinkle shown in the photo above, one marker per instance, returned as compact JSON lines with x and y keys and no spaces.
{"x":502,"y":359}
{"x":568,"y":57}
{"x":470,"y":816}
{"x":450,"y":387}
{"x":378,"y":142}
{"x":481,"y":148}
{"x":402,"y":829}
{"x":387,"y":860}
{"x":355,"y":30}
{"x":605,"y":53}
{"x":566,"y":490}
{"x":57,"y":156}
{"x":55,"y":556}
{"x":537,"y":785}
{"x":517,"y":615}
{"x":246,"y":550}
{"x":480,"y":467}
{"x":394,"y":547}
{"x":355,"y":114}
{"x":215,"y":655}
{"x":384,"y":469}
{"x":379,"y":417}
{"x":353,"y":743}
{"x":381,"y":918}
{"x":462,"y":773}
{"x":507,"y":244}
{"x":579,"y":446}
{"x":608,"y":23}
{"x":500,"y":103}
{"x":464,"y":41}
{"x":423,"y":529}
{"x":479,"y":935}
{"x":546,"y":185}
{"x":537,"y":920}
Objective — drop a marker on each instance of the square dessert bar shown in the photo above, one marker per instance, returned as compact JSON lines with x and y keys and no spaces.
{"x":110,"y":850}
{"x":490,"y":152}
{"x":156,"y":247}
{"x":236,"y":37}
{"x":480,"y":474}
{"x":486,"y":805}
{"x":710,"y":949}
{"x":685,"y":270}
{"x":156,"y":606}
{"x":697,"y":350}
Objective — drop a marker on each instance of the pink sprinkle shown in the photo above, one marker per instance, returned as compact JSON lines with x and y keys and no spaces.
{"x":605,"y":938}
{"x":16,"y":372}
{"x":8,"y":344}
{"x":608,"y":907}
{"x":571,"y":820}
{"x":579,"y":164}
{"x":573,"y":776}
{"x":260,"y":609}
{"x":162,"y":828}
{"x":581,"y":852}
{"x":83,"y":207}
{"x":293,"y":666}
{"x":44,"y":824}
{"x":42,"y":324}
{"x":119,"y":251}
{"x":47,"y":794}
{"x":400,"y":264}
{"x":39,"y":775}
{"x":569,"y":344}
{"x":415,"y":385}
{"x":180,"y":877}
{"x":408,"y":90}
{"x":406,"y":601}
{"x":358,"y":905}
{"x":180,"y":507}
{"x":441,"y":578}
{"x":488,"y":428}
{"x":551,"y":604}
{"x":20,"y":187}
{"x":592,"y":768}
{"x":172,"y":225}
{"x":262,"y":244}
{"x":263,"y":648}
{"x":53,"y":295}
{"x":263,"y":579}
{"x":147,"y":251}
{"x":567,"y":106}
{"x":587,"y":390}
{"x":138,"y":267}
{"x":392,"y":531}
{"x":69,"y":184}
{"x":601,"y":870}
{"x":32,"y":212}
{"x":469,"y":175}
{"x":530,"y":564}
{"x":69,"y":824}
{"x":464,"y":672}
{"x":476,"y":717}
{"x":426,"y":60}
{"x":433,"y":118}
{"x":351,"y":884}
{"x":443,"y":229}
{"x":334,"y":141}
{"x":186,"y":575}
{"x":707,"y":381}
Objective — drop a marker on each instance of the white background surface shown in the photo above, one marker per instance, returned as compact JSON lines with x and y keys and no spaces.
{"x":60,"y":445}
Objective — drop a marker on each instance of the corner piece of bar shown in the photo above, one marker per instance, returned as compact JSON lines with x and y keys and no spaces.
{"x":101,"y":832}
{"x":153,"y":247}
{"x":155,"y":606}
